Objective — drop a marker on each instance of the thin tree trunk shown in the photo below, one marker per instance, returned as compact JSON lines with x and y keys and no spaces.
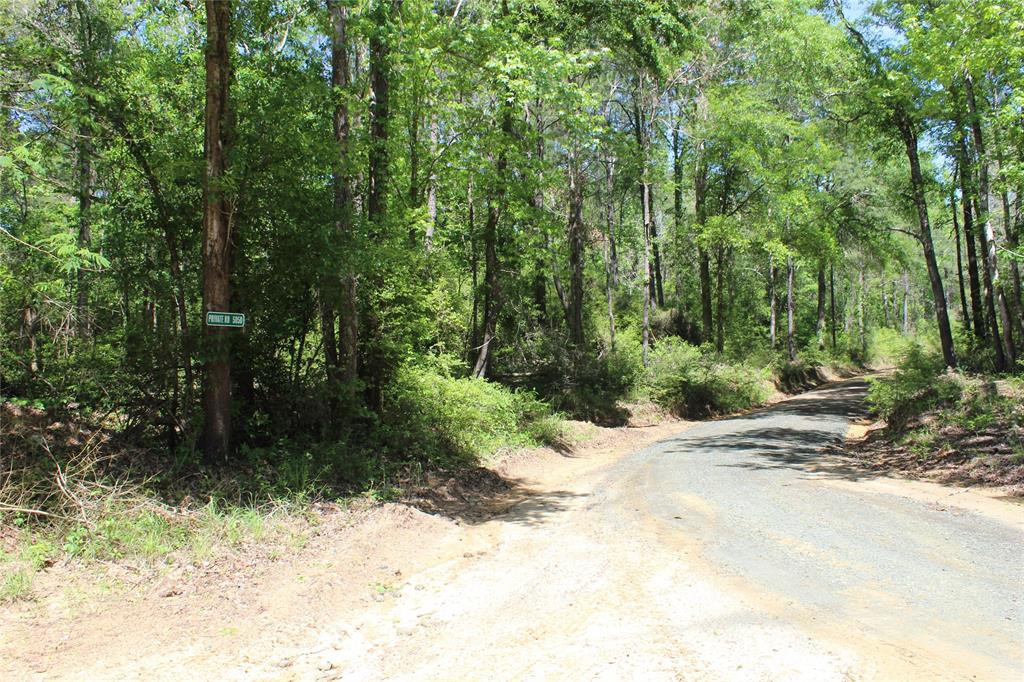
{"x":432,"y":188}
{"x":906,"y":303}
{"x":659,"y":286}
{"x":862,"y":332}
{"x":720,"y":299}
{"x":646,"y":269}
{"x":773,"y":321}
{"x":217,"y":234}
{"x":576,"y":245}
{"x":540,"y":280}
{"x":885,"y":302}
{"x":29,"y":329}
{"x":170,"y":234}
{"x":609,"y":269}
{"x":1009,"y":231}
{"x":474,"y":265}
{"x":790,"y":308}
{"x":991,"y":318}
{"x":85,"y":181}
{"x":832,"y":297}
{"x":492,"y":300}
{"x":985,"y":217}
{"x":84,"y":170}
{"x":821,"y":306}
{"x":964,"y":311}
{"x":917,"y":187}
{"x":974,"y":279}
{"x":700,"y":185}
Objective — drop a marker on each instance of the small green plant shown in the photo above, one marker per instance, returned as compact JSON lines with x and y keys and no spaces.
{"x":915,"y":387}
{"x":695,"y":384}
{"x":16,"y":586}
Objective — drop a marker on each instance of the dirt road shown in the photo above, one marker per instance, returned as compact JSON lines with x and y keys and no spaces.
{"x":735,"y":550}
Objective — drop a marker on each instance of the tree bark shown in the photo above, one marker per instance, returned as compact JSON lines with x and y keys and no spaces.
{"x":991,"y":260}
{"x":790,"y":308}
{"x":576,"y":238}
{"x":428,"y":239}
{"x":700,"y":187}
{"x":84,"y":167}
{"x":917,"y":187}
{"x":821,"y":306}
{"x":217,"y":258}
{"x":609,"y":255}
{"x":85,"y":182}
{"x":906,"y":303}
{"x":341,"y":360}
{"x":646,"y":269}
{"x":973,"y":277}
{"x":773,"y":315}
{"x":862,"y":328}
{"x":964,"y":311}
{"x":720,"y":298}
{"x":832,"y":299}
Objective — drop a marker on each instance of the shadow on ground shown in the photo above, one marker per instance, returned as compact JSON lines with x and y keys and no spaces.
{"x":795,"y":440}
{"x":478,"y":495}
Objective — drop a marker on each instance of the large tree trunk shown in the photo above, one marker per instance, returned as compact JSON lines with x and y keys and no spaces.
{"x":342,"y":362}
{"x":985,"y":217}
{"x":375,"y":363}
{"x":917,"y":187}
{"x":216,"y":439}
{"x":384,"y":12}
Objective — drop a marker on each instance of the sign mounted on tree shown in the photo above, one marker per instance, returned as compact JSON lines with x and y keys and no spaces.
{"x":216,"y":319}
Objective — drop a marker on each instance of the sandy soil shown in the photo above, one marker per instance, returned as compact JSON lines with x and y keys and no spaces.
{"x":247,"y":613}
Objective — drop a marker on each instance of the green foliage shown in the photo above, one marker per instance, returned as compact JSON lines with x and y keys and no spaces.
{"x":696,"y":384}
{"x":15,"y":586}
{"x":917,"y":385}
{"x":448,"y":420}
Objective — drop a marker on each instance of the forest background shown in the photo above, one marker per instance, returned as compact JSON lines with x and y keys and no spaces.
{"x":450,"y":224}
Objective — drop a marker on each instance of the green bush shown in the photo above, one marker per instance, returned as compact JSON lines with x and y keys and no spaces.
{"x":693,"y":384}
{"x":589,"y":387}
{"x":433,"y":416}
{"x":916,"y":386}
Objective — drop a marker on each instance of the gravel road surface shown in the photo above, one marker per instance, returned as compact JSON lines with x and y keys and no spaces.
{"x":737,"y":550}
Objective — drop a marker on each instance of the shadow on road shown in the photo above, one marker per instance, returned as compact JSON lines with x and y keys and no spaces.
{"x":795,"y":441}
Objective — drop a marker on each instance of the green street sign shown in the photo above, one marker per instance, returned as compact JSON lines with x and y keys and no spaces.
{"x":214,"y":319}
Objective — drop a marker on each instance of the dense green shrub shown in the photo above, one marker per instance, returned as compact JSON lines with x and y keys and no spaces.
{"x":434,"y":416}
{"x":588,"y":386}
{"x":916,"y":386}
{"x":693,"y":384}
